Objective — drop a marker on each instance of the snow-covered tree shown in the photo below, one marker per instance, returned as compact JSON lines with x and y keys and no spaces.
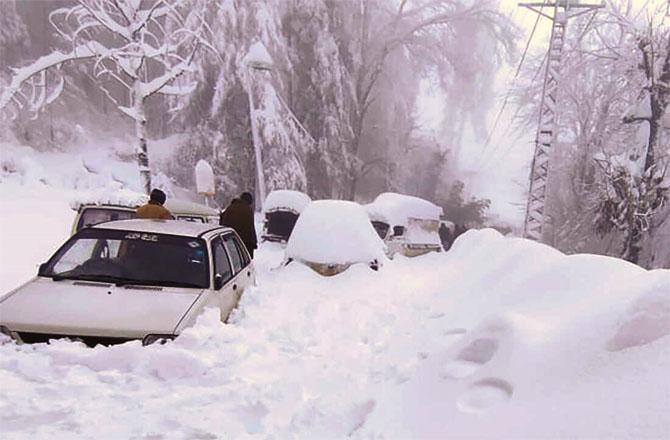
{"x":424,"y":35}
{"x":136,"y":49}
{"x":608,"y":180}
{"x":637,"y":183}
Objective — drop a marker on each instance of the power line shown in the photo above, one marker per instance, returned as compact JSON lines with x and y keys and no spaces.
{"x":486,"y":164}
{"x":509,"y":90}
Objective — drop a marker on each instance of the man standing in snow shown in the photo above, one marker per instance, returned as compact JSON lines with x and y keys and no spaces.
{"x":239,"y":215}
{"x":154,"y":207}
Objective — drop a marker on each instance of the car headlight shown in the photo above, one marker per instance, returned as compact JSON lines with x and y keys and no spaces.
{"x":5,"y":331}
{"x":161,"y":339}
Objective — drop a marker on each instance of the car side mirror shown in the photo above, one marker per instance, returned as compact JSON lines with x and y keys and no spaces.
{"x":398,"y":231}
{"x":218,"y":282}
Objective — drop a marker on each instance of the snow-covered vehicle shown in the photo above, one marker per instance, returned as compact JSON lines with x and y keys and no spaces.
{"x":94,"y":210}
{"x":130,"y":279}
{"x":331,"y":235}
{"x":408,"y":225}
{"x":282,"y":209}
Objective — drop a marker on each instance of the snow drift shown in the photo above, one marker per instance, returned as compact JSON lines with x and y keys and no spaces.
{"x":498,"y":338}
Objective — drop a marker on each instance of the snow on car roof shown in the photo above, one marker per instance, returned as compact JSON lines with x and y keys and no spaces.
{"x":334,"y":232}
{"x":397,"y":209}
{"x":287,"y":199}
{"x":132,"y":199}
{"x":113,"y":197}
{"x":170,"y":227}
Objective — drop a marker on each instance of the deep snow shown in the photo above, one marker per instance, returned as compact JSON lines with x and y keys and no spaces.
{"x":497,"y":338}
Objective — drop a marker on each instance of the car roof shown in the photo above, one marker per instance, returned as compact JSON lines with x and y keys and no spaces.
{"x":170,"y":227}
{"x":176,"y":206}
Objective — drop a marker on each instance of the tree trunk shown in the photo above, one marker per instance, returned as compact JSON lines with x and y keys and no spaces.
{"x":141,"y":138}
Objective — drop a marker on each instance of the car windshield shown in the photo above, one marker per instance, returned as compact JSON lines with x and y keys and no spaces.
{"x":127,"y":257}
{"x":94,"y":216}
{"x":382,"y":228}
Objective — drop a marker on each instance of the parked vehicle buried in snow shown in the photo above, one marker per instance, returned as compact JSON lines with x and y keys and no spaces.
{"x":282,"y":209}
{"x":331,"y":235}
{"x":129,"y":279}
{"x":94,"y":211}
{"x":408,"y":225}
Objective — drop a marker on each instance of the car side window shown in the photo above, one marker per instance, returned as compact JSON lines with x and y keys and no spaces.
{"x":242,"y":250}
{"x":221,"y":262}
{"x":229,"y":242}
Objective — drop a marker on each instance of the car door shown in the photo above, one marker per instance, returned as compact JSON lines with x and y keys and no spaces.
{"x":227,"y":296}
{"x":241,"y":263}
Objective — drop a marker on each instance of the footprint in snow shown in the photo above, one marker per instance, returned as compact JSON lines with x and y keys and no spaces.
{"x":472,"y":357}
{"x":484,"y":395}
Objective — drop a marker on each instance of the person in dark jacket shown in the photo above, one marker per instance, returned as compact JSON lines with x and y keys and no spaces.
{"x":239,"y":215}
{"x":154,"y":207}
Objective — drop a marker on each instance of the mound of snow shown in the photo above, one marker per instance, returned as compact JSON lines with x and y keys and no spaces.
{"x":286,"y":199}
{"x":397,"y":209}
{"x":334,"y":232}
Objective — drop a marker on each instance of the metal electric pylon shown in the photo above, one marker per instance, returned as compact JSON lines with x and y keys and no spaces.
{"x":546,"y":130}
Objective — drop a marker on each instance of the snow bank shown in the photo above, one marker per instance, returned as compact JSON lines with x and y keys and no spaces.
{"x":397,"y":209}
{"x":287,"y":199}
{"x":334,"y":232}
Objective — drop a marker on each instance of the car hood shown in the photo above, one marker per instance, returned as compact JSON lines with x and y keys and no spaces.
{"x":95,"y":309}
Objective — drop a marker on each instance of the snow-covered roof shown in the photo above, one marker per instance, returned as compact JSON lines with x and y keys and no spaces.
{"x":334,"y":232}
{"x":170,"y":227}
{"x":286,"y":199}
{"x":397,"y":209}
{"x":132,"y":199}
{"x":258,"y":56}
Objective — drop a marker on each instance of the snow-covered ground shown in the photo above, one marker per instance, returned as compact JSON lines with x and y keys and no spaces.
{"x":498,"y":338}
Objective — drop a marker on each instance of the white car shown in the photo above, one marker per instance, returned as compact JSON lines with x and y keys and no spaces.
{"x":89,"y":214}
{"x":130,"y":279}
{"x":407,"y":224}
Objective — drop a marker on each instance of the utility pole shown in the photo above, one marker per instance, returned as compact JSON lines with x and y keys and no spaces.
{"x":545,"y":136}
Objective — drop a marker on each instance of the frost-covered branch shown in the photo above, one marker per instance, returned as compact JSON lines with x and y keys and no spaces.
{"x":85,"y":51}
{"x":124,"y":38}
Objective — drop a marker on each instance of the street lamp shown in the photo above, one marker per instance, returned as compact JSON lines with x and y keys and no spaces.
{"x":257,"y":58}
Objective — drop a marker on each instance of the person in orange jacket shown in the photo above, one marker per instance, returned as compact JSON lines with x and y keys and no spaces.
{"x":154,"y":207}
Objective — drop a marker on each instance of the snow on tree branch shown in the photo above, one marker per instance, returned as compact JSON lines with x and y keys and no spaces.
{"x":88,"y":50}
{"x":144,"y":46}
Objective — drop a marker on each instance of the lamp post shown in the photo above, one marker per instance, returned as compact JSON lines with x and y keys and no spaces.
{"x":257,"y":58}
